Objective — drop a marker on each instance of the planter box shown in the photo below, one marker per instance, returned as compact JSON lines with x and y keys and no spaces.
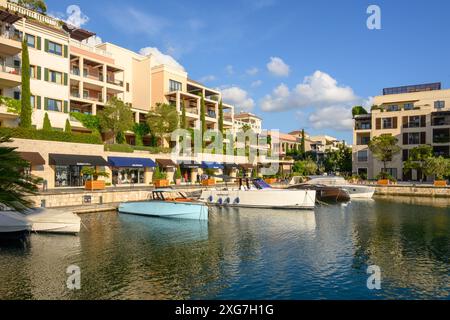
{"x":271,"y":180}
{"x":161,"y":183}
{"x":384,"y":182}
{"x":440,"y":183}
{"x":209,"y":182}
{"x":95,"y":185}
{"x":178,"y":182}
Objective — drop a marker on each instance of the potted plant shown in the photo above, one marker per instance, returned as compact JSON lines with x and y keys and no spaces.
{"x":271,"y":179}
{"x":439,"y":167}
{"x":178,"y":176}
{"x":209,"y":181}
{"x":93,"y":183}
{"x":160,"y":178}
{"x":385,"y":178}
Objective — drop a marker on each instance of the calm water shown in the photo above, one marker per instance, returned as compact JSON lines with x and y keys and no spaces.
{"x":243,"y":254}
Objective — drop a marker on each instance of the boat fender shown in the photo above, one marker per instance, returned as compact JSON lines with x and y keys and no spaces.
{"x":210,"y":198}
{"x":219,"y":201}
{"x":227,"y":200}
{"x":237,"y":200}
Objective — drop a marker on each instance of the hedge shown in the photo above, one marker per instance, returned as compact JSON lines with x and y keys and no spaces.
{"x":32,"y":134}
{"x":126,"y":148}
{"x":153,"y":150}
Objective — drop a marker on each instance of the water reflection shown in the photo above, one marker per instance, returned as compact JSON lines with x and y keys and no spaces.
{"x":240,"y":254}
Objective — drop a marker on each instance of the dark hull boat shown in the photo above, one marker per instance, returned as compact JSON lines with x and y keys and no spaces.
{"x":324,"y":193}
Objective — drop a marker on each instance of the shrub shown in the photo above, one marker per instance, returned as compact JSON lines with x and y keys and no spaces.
{"x":158,"y":175}
{"x":119,"y":148}
{"x":47,"y":126}
{"x":22,"y":133}
{"x":153,"y":150}
{"x":68,"y":127}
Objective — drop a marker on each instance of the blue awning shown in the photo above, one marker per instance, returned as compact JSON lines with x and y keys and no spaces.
{"x":131,"y":162}
{"x":211,"y":165}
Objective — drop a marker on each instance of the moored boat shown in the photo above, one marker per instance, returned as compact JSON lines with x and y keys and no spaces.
{"x":355,"y":191}
{"x":13,"y":225}
{"x":167,"y":204}
{"x":259,"y":194}
{"x":54,"y":221}
{"x":327,"y":194}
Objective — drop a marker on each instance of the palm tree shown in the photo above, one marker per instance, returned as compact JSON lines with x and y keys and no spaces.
{"x":15,"y":184}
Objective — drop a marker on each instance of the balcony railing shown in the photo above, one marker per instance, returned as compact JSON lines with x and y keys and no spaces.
{"x":92,"y":97}
{"x":75,"y":94}
{"x":440,"y":122}
{"x":363,"y":126}
{"x":90,"y":48}
{"x":11,"y":70}
{"x":35,"y":15}
{"x":115,"y":82}
{"x":211,"y":114}
{"x":441,"y":139}
{"x":363,"y":159}
{"x":75,"y":71}
{"x":97,"y":77}
{"x":11,"y":36}
{"x":192,"y":110}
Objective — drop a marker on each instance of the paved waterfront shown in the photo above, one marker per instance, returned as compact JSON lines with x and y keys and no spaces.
{"x":243,"y":254}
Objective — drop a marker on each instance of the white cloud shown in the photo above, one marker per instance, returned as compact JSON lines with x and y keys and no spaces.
{"x":333,"y":117}
{"x":208,"y":78}
{"x":316,"y":90}
{"x":75,"y":17}
{"x":278,"y":67}
{"x":252,"y":71}
{"x":238,"y":97}
{"x":256,"y":83}
{"x":229,"y":69}
{"x":161,"y":58}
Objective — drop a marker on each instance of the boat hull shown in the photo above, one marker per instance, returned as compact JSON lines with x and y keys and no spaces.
{"x":359,"y":192}
{"x":270,"y":198}
{"x":54,"y":221}
{"x":166,"y":209}
{"x":13,"y":225}
{"x":325,"y":194}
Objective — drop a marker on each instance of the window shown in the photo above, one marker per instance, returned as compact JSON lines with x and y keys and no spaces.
{"x":414,"y":138}
{"x":54,"y":105}
{"x":439,"y":104}
{"x":55,"y":48}
{"x":408,"y":106}
{"x":393,"y":108}
{"x":128,"y":87}
{"x":33,"y":101}
{"x":362,"y":156}
{"x":33,"y":73}
{"x":55,"y":76}
{"x":392,"y":172}
{"x":365,"y":140}
{"x":414,"y":122}
{"x":174,"y":85}
{"x":17,"y":95}
{"x":387,"y":123}
{"x":31,"y":40}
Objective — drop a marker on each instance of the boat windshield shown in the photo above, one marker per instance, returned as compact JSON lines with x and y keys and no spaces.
{"x":167,"y":195}
{"x":329,"y":181}
{"x":261,"y":184}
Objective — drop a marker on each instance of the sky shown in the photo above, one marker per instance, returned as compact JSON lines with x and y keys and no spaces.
{"x":297,"y":64}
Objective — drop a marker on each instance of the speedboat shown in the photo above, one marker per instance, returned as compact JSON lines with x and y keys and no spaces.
{"x":13,"y":225}
{"x":354,"y":190}
{"x":167,"y":203}
{"x":259,"y":194}
{"x":327,"y":194}
{"x":54,"y":221}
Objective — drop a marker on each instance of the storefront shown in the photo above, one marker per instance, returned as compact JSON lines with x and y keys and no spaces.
{"x":128,"y":171}
{"x":189,"y":171}
{"x":246,"y":169}
{"x":230,"y":169}
{"x":68,"y":168}
{"x":35,"y":160}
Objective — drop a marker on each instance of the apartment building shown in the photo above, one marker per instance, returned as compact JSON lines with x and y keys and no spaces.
{"x":415,"y":115}
{"x":247,"y":119}
{"x":70,"y":76}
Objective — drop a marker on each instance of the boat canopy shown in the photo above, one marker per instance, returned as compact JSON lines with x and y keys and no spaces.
{"x":124,"y":162}
{"x":211,"y":165}
{"x":76,"y":160}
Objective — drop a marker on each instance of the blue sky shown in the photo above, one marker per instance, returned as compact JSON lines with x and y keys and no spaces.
{"x":298,"y":64}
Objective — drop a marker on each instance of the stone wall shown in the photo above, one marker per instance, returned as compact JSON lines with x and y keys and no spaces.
{"x":411,"y":190}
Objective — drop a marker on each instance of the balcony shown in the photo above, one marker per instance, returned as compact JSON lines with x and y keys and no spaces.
{"x":363,"y":126}
{"x":75,"y":71}
{"x":10,"y":44}
{"x":211,"y":114}
{"x":10,"y":77}
{"x":114,"y":82}
{"x":93,"y":76}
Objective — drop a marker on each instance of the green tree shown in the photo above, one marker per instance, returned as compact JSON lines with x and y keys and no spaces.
{"x":339,"y":160}
{"x":36,"y":5}
{"x":221,"y":117}
{"x":302,"y":144}
{"x":417,"y":159}
{"x":15,"y":185}
{"x":68,"y":127}
{"x":140,"y":130}
{"x":438,"y":167}
{"x":246,"y":127}
{"x":25,"y":112}
{"x":358,"y":110}
{"x":183,"y":120}
{"x":305,"y":167}
{"x":384,"y":148}
{"x":203,"y":119}
{"x":46,"y":126}
{"x":116,"y":117}
{"x":177,"y":173}
{"x":162,"y":120}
